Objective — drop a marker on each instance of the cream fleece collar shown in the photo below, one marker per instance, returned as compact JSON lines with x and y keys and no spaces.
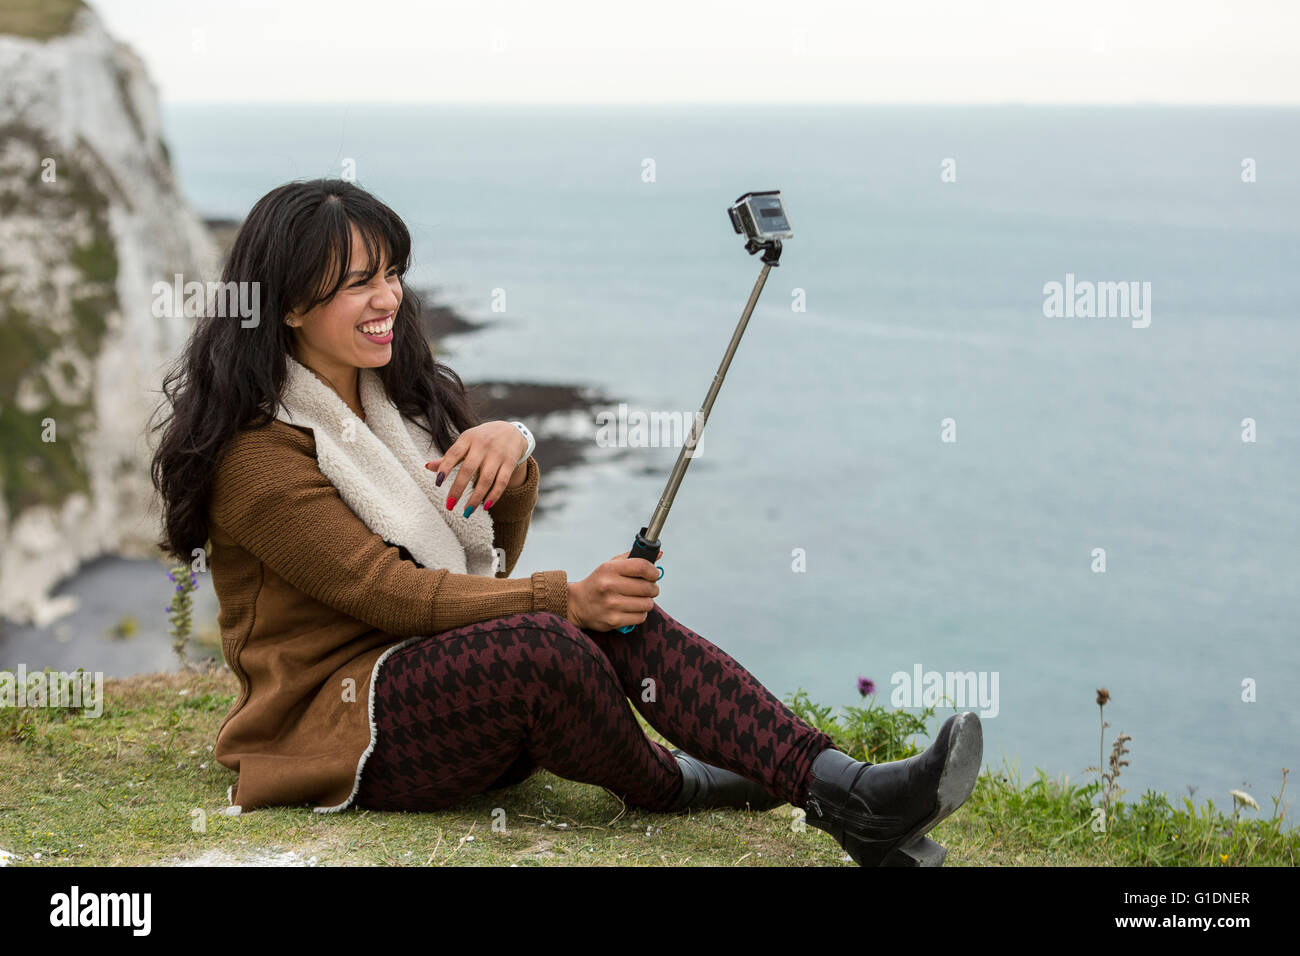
{"x":378,"y":467}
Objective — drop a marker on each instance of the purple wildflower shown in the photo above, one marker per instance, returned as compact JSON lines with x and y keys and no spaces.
{"x":866,"y":686}
{"x":179,"y":589}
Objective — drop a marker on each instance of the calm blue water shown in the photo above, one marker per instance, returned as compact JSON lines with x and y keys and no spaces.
{"x":924,"y":302}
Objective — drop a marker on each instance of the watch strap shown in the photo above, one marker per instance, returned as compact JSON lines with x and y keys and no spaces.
{"x":532,"y":442}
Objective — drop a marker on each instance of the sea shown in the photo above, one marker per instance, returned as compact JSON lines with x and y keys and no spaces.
{"x":936,"y":461}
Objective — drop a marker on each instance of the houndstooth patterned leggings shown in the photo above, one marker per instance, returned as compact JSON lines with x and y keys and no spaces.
{"x":483,"y":706}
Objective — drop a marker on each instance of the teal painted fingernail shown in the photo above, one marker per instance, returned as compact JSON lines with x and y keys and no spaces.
{"x":469,"y":509}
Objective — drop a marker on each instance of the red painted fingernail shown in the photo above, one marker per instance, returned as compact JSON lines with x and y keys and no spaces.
{"x":451,"y":503}
{"x":487,"y":505}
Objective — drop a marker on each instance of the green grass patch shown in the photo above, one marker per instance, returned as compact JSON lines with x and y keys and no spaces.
{"x":38,"y":19}
{"x":139,"y":785}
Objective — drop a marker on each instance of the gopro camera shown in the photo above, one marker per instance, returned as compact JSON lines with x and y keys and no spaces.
{"x":760,"y":216}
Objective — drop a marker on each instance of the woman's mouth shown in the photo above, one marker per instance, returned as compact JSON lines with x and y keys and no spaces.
{"x":380,"y":331}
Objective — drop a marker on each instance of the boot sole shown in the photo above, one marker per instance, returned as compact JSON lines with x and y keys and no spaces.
{"x":920,"y":852}
{"x":956,"y":783}
{"x":961,"y":770}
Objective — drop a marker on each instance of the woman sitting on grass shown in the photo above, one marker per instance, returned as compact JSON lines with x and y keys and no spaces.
{"x":385,"y":658}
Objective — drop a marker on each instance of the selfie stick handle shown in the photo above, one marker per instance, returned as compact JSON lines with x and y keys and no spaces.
{"x":646,"y":544}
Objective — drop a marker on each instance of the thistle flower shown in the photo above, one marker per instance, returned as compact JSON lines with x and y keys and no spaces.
{"x":1103,"y":696}
{"x":866,"y":686}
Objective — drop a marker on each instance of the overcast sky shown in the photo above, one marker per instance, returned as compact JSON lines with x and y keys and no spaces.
{"x":555,"y":51}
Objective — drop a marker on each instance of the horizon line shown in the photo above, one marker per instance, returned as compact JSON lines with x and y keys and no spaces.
{"x":731,"y":104}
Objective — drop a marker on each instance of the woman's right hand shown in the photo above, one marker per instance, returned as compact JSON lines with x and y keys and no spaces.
{"x":619,"y":592}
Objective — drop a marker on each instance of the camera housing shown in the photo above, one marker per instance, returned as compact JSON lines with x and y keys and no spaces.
{"x":760,"y":216}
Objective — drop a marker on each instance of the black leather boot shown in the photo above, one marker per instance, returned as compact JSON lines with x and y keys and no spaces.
{"x":705,"y":786}
{"x":880,"y":813}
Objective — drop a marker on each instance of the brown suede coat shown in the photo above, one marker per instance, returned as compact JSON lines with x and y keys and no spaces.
{"x":310,"y":598}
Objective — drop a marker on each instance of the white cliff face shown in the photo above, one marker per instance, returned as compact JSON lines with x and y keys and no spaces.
{"x":90,"y":219}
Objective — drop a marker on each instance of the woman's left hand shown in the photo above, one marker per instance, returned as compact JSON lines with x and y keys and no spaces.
{"x":487,"y":454}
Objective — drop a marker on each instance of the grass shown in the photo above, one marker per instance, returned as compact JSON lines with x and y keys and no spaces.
{"x":38,"y":19}
{"x":139,"y":786}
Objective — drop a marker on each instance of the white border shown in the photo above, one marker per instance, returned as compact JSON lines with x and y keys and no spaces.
{"x":374,"y":729}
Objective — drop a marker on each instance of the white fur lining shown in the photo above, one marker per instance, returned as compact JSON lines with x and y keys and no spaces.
{"x":374,"y":728}
{"x":378,"y":467}
{"x":374,"y":733}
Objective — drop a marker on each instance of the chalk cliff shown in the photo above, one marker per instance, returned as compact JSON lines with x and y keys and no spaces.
{"x":91,"y":217}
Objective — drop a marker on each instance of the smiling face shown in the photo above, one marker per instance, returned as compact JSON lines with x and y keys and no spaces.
{"x":354,"y":328}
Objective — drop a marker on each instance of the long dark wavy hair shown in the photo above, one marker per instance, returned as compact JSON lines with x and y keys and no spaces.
{"x":296,"y":243}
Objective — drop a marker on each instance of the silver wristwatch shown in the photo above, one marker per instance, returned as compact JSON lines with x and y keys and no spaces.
{"x":532,"y":442}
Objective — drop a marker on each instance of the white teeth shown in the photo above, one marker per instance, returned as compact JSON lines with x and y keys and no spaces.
{"x":381,"y":328}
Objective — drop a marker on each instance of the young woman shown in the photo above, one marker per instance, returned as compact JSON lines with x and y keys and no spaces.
{"x":385,"y":657}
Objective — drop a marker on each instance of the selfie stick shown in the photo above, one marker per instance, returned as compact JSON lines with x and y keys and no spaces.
{"x":761,"y":217}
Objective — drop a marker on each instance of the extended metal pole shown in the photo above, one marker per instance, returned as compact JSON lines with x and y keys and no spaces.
{"x":647,"y":541}
{"x":685,"y":456}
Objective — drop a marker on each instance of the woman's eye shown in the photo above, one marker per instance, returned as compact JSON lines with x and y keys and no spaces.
{"x":362,"y":283}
